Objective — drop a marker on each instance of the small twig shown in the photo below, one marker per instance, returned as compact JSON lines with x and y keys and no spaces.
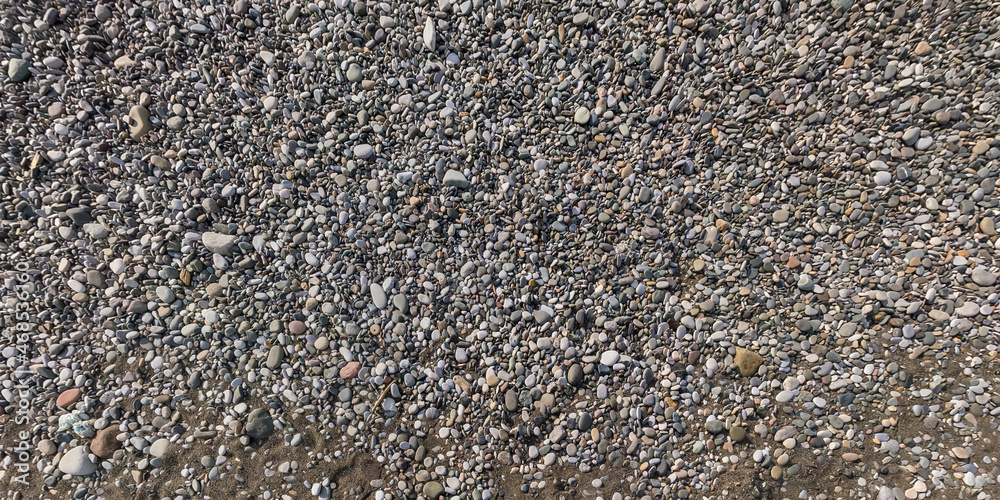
{"x":382,"y":396}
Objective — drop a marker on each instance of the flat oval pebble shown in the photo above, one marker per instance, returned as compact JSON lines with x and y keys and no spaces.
{"x":379,"y":298}
{"x":297,"y":327}
{"x":68,"y":397}
{"x":609,"y":358}
{"x":784,"y":396}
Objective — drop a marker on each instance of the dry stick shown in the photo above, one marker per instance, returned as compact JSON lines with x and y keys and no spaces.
{"x":382,"y":396}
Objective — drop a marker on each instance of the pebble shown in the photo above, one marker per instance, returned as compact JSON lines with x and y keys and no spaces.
{"x":433,"y":489}
{"x":575,"y":375}
{"x":165,"y":294}
{"x":430,"y":35}
{"x":259,"y":424}
{"x":609,"y":358}
{"x":159,"y":447}
{"x":68,"y":397}
{"x":747,"y":361}
{"x":218,"y":243}
{"x":714,"y":426}
{"x":47,"y":447}
{"x":141,"y":124}
{"x":76,"y":461}
{"x":737,"y":433}
{"x":456,"y":179}
{"x":274,"y":357}
{"x":18,"y":70}
{"x":363,"y":151}
{"x":350,"y":370}
{"x":96,"y":230}
{"x":882,"y":178}
{"x":379,"y":298}
{"x":982,"y":277}
{"x":105,"y":443}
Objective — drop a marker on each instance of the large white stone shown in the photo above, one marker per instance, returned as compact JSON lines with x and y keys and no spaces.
{"x":77,"y":462}
{"x":430,"y":34}
{"x":218,"y":243}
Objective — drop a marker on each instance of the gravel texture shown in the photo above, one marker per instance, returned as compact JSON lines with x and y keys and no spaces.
{"x":454,"y":248}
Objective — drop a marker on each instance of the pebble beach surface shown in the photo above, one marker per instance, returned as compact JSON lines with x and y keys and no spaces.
{"x":477,"y":249}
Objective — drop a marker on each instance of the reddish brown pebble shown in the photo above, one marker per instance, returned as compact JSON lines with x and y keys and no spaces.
{"x":105,"y":442}
{"x":297,"y":327}
{"x":68,"y":397}
{"x":350,"y":370}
